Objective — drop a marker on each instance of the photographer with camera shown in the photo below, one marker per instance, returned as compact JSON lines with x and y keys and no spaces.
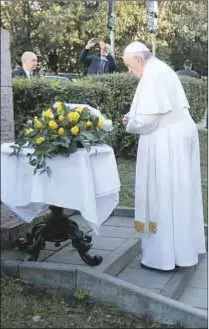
{"x":104,"y":63}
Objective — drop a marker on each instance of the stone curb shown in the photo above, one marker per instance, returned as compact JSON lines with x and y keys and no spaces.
{"x":111,"y":290}
{"x":123,"y":212}
{"x":134,"y":299}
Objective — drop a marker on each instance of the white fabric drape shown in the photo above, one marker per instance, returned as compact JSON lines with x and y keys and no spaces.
{"x":84,"y":181}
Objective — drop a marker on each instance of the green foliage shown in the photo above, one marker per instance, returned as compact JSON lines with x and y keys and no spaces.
{"x":58,"y":33}
{"x":186,"y":37}
{"x":81,"y":295}
{"x":31,"y":96}
{"x":109,"y":93}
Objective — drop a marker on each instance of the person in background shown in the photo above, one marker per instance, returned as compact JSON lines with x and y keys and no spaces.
{"x":104,"y":63}
{"x":168,"y":196}
{"x":29,"y":64}
{"x":188,"y":70}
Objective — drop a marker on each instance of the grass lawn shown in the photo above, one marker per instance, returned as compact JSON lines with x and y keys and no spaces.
{"x":127,"y":176}
{"x":26,"y":306}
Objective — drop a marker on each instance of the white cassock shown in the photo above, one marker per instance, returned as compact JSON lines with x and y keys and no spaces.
{"x":168,"y":197}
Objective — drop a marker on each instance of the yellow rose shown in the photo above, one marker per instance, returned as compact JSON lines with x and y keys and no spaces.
{"x":73,"y":116}
{"x":60,"y":107}
{"x":100,"y":123}
{"x":38,"y":124}
{"x":53,"y":124}
{"x":48,"y":114}
{"x":28,"y":131}
{"x":79,"y":108}
{"x":61,"y":117}
{"x":61,"y":131}
{"x":75,"y":130}
{"x":40,"y":140}
{"x":88,"y":124}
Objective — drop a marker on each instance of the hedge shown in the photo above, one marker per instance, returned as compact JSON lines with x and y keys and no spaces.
{"x":111,"y":93}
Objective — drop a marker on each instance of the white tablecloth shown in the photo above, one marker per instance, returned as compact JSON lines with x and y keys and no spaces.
{"x":84,"y":181}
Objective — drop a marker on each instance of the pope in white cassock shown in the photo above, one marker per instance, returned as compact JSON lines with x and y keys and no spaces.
{"x":168,"y":198}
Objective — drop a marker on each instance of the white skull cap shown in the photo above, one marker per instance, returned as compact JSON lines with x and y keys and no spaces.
{"x":135,"y":47}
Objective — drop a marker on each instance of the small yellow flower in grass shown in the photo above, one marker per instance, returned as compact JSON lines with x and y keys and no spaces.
{"x":61,"y":131}
{"x":60,"y":107}
{"x":88,"y":124}
{"x":53,"y":124}
{"x":61,"y":117}
{"x":38,"y":123}
{"x":48,"y":114}
{"x":73,"y":116}
{"x":75,"y":130}
{"x":80,"y":108}
{"x":28,"y":131}
{"x":100,"y":123}
{"x":40,"y":140}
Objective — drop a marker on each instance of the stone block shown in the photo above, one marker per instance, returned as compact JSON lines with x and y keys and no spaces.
{"x":69,"y":255}
{"x":120,"y":221}
{"x":49,"y":274}
{"x":121,"y":257}
{"x":7,"y":115}
{"x":124,"y":212}
{"x":145,"y":278}
{"x":107,"y":243}
{"x":116,"y":231}
{"x":195,"y":297}
{"x":5,"y":59}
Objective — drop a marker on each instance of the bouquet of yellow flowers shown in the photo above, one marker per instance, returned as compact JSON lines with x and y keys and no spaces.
{"x":59,"y":131}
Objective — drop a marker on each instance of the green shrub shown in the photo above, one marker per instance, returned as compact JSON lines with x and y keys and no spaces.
{"x":32,"y":96}
{"x":109,"y":92}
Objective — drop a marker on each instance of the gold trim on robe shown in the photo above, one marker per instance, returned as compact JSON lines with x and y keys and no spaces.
{"x":140,"y":226}
{"x":153,"y":227}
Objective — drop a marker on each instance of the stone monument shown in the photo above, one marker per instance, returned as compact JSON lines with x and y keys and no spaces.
{"x":7,"y":125}
{"x":7,"y":112}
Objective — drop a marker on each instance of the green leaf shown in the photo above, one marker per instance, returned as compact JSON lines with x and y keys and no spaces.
{"x":49,"y":171}
{"x":42,"y":171}
{"x":33,"y":162}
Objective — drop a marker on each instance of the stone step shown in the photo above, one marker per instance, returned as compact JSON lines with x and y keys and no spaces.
{"x":195,"y":290}
{"x":168,"y":284}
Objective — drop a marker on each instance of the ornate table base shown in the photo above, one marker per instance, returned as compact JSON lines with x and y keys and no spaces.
{"x":57,"y":227}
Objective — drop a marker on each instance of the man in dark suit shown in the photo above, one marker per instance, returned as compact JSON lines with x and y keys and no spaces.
{"x":29,"y":64}
{"x":104,"y":63}
{"x":188,"y":70}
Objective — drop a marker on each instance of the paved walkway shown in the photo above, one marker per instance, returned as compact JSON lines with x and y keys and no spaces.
{"x":118,"y":241}
{"x":115,"y":234}
{"x":196,"y":289}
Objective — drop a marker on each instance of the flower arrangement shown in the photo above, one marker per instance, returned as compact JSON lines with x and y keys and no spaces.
{"x":59,"y":131}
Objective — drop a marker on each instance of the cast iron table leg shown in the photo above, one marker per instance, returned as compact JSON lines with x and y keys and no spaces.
{"x":57,"y":228}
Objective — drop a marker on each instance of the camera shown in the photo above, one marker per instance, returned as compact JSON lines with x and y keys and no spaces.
{"x":96,"y":40}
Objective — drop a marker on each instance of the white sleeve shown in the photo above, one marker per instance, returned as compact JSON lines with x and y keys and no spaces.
{"x":143,"y":124}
